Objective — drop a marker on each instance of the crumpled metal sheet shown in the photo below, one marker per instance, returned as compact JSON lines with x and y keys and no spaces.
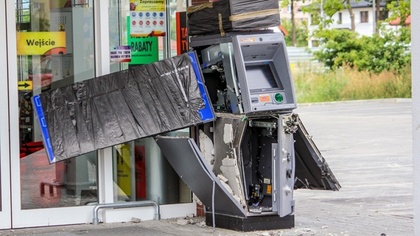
{"x":107,"y":110}
{"x":312,"y":170}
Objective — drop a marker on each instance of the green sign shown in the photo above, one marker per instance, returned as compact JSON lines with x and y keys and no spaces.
{"x":144,"y":50}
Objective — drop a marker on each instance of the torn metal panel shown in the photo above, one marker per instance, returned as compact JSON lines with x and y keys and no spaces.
{"x":186,"y":159}
{"x":230,"y":170}
{"x":206,"y":147}
{"x":228,"y":133}
{"x":312,"y":171}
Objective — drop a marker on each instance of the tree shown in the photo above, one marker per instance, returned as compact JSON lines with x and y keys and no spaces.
{"x":321,"y":12}
{"x":353,"y":24}
{"x":387,"y":51}
{"x":327,"y":8}
{"x":286,"y":3}
{"x":301,"y":33}
{"x":377,"y":14}
{"x":377,"y":5}
{"x":400,"y":9}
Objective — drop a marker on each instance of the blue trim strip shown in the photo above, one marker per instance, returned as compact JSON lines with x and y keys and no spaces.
{"x":207,"y":113}
{"x":36,"y":102}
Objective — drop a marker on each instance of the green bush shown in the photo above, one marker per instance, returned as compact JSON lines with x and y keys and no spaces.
{"x":338,"y":47}
{"x":388,"y":51}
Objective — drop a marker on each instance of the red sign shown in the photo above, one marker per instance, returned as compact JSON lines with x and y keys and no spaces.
{"x":181,"y":33}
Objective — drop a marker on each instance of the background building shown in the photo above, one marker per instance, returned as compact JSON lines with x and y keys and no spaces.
{"x":364,"y":20}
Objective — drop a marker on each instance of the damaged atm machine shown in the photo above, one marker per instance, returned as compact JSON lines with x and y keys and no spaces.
{"x":245,"y":165}
{"x":247,"y":152}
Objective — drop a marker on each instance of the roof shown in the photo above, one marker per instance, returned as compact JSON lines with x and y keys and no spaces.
{"x":353,"y":3}
{"x":397,"y":21}
{"x":363,"y":4}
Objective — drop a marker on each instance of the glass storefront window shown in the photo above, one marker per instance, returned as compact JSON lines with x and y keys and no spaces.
{"x":63,"y":184}
{"x":141,"y":172}
{"x":55,"y":48}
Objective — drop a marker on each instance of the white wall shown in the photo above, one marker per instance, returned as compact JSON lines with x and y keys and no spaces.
{"x":365,"y":28}
{"x":415,"y":52}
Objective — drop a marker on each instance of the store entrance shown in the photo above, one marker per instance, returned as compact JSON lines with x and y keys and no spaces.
{"x":55,"y":47}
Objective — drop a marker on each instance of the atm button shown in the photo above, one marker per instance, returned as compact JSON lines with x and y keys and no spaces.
{"x":278,"y":97}
{"x":254,"y":100}
{"x":265,"y":98}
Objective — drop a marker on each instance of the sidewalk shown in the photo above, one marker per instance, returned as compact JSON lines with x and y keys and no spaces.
{"x":368,"y":146}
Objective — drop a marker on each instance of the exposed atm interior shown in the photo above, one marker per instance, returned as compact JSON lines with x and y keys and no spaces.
{"x":246,"y":164}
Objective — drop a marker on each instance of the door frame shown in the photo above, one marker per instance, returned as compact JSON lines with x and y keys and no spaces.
{"x":5,"y":212}
{"x":21,"y":217}
{"x":13,"y":215}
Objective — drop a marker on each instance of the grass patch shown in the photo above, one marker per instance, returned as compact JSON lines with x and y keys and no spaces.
{"x":313,"y":85}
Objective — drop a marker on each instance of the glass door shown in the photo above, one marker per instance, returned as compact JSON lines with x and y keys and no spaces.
{"x":140,"y":170}
{"x":55,"y":48}
{"x":5,"y":213}
{"x":54,"y":44}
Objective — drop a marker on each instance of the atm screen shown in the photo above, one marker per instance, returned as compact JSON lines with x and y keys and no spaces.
{"x":261,"y":77}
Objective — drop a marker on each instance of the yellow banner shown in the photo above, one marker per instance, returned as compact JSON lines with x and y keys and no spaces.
{"x":41,"y":43}
{"x":147,"y":5}
{"x":124,"y":169}
{"x":147,"y":18}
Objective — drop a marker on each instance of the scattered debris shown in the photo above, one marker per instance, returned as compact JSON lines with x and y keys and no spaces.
{"x":182,"y":221}
{"x":135,"y":220}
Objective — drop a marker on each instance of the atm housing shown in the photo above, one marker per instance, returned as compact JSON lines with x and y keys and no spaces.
{"x":255,"y":69}
{"x":245,"y":162}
